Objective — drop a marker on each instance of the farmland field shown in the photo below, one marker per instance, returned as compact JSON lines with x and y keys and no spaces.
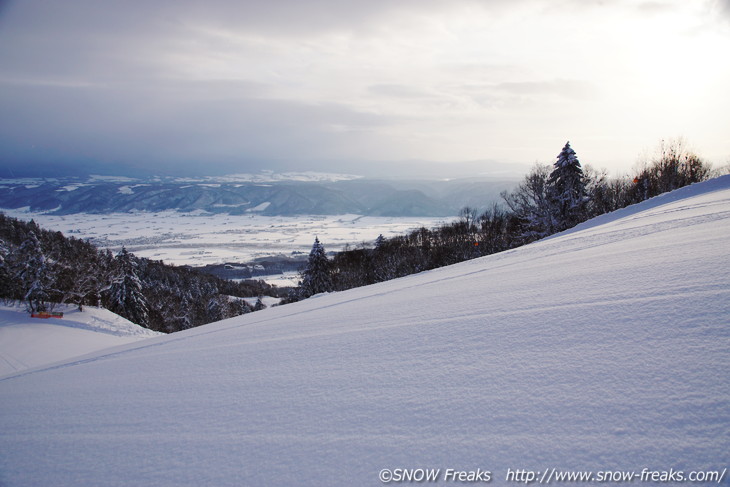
{"x":199,"y":239}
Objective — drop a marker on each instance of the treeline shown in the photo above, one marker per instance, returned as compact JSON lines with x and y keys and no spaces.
{"x":43,"y":268}
{"x":547,"y":201}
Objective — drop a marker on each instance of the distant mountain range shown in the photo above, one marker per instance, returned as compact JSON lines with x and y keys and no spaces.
{"x":267,"y":194}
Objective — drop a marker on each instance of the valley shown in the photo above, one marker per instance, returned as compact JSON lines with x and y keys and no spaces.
{"x":199,"y":239}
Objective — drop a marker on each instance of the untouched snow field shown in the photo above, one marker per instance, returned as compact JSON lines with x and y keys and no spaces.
{"x":603,"y":349}
{"x":27,"y":342}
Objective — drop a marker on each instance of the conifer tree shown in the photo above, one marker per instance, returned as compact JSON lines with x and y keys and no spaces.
{"x":5,"y":281}
{"x":316,"y":277}
{"x":31,"y":271}
{"x":567,"y":189}
{"x":215,"y":309}
{"x":126,"y":293}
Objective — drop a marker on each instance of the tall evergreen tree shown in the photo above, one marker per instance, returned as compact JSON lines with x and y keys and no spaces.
{"x":316,"y":277}
{"x":6,"y":287}
{"x":567,"y":189}
{"x":31,"y":271}
{"x":127,"y":298}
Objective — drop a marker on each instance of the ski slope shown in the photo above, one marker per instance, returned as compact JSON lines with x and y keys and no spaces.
{"x":27,"y":342}
{"x":605,"y":348}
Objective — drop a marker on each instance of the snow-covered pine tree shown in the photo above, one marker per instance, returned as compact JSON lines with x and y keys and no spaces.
{"x":81,"y":274}
{"x":567,"y":189}
{"x":30,"y":270}
{"x":127,"y":299}
{"x":215,"y":310}
{"x":5,"y":281}
{"x":239,"y":307}
{"x":316,"y":277}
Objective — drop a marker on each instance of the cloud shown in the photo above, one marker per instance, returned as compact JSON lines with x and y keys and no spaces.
{"x":723,"y":8}
{"x":569,"y":89}
{"x":655,"y":7}
{"x":215,"y":126}
{"x":398,"y":91}
{"x":223,"y":80}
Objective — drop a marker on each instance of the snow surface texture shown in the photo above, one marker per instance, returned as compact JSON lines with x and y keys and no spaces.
{"x":27,"y":342}
{"x":603,"y":348}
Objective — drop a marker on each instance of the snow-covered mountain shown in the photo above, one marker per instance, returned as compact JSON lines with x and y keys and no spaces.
{"x":603,"y":350}
{"x":269,"y":194}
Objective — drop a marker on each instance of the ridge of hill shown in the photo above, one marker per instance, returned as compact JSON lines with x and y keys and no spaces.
{"x":63,"y":196}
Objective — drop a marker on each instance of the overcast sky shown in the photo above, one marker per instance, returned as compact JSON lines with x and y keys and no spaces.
{"x":242,"y":84}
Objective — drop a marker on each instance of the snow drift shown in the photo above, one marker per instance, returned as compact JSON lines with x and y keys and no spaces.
{"x":604,"y":348}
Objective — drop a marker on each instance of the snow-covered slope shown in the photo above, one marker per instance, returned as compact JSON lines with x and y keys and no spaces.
{"x":27,"y":342}
{"x":601,"y":349}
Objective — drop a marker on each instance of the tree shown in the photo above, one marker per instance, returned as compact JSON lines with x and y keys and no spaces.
{"x":604,"y":193}
{"x":82,"y":274}
{"x":567,"y":188}
{"x":6,"y":287}
{"x":316,"y":277}
{"x":673,"y":166}
{"x":259,"y":305}
{"x":216,"y":309}
{"x":352,"y":268}
{"x":31,"y":271}
{"x":494,"y":231}
{"x":532,"y":204}
{"x":127,"y":298}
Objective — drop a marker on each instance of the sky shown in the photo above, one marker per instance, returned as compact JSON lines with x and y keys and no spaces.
{"x":238,"y":86}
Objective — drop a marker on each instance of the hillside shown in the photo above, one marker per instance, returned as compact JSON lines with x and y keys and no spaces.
{"x":27,"y":342}
{"x":604,"y":348}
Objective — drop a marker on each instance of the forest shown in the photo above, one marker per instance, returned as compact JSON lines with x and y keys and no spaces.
{"x":43,"y":268}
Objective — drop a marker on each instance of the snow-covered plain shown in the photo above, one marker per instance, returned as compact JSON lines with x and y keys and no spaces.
{"x":200,"y":239}
{"x":605,"y":348}
{"x":27,"y":342}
